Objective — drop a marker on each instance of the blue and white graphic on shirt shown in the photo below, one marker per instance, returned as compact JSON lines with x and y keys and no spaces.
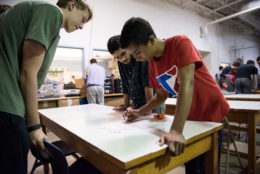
{"x":168,"y":80}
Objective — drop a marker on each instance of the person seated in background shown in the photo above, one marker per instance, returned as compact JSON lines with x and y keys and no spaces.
{"x":243,"y":81}
{"x":72,"y":80}
{"x":135,"y":77}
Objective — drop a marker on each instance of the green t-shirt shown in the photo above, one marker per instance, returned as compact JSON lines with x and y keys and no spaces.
{"x":34,"y":20}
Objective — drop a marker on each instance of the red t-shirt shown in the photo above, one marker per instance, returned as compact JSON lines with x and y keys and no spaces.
{"x":208,"y":102}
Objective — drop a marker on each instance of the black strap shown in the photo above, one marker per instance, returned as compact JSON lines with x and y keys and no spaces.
{"x":93,"y":85}
{"x":32,"y":128}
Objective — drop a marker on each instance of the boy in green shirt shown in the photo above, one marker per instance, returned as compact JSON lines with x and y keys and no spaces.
{"x":29,"y":35}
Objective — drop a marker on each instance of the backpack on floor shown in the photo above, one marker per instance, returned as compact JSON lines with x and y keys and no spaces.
{"x":226,"y":83}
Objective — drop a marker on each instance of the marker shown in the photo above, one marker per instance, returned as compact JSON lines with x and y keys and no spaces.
{"x":127,"y":110}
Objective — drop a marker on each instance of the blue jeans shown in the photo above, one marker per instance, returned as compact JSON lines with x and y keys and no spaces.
{"x":197,"y":165}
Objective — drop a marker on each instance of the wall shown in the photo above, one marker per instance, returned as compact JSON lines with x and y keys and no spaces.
{"x":169,"y":20}
{"x":241,"y":45}
{"x":223,"y":44}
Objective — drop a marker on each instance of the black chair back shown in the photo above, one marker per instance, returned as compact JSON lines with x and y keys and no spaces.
{"x":58,"y":160}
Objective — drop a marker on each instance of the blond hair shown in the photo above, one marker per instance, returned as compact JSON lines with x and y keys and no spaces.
{"x":80,"y":4}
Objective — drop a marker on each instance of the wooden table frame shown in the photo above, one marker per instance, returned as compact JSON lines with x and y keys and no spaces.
{"x":158,"y":162}
{"x":239,"y":115}
{"x":250,"y":118}
{"x":256,"y":92}
{"x":243,"y":97}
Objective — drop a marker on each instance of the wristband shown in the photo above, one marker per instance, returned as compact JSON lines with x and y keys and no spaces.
{"x":32,"y":128}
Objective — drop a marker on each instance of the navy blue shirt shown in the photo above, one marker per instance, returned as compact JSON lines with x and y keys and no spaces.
{"x":135,"y":77}
{"x":226,"y":70}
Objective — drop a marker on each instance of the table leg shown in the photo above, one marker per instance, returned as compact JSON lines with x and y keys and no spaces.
{"x":212,"y":156}
{"x":251,"y":144}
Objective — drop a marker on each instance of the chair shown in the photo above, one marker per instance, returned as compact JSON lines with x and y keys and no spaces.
{"x":229,"y":137}
{"x":42,"y":156}
{"x":59,"y":163}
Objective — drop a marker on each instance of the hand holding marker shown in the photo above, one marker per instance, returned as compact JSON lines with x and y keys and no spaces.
{"x":127,"y":110}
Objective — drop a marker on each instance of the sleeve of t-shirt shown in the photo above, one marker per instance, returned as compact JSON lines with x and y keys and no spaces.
{"x":153,"y":81}
{"x":145,"y":74}
{"x":44,"y":24}
{"x":255,"y":70}
{"x":187,"y":54}
{"x":124,"y":88}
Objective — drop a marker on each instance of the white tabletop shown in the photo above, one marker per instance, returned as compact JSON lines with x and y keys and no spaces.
{"x":251,"y":96}
{"x":105,"y":129}
{"x":234,"y":104}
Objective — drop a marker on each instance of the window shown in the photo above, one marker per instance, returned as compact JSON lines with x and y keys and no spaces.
{"x":68,"y":60}
{"x":105,"y":59}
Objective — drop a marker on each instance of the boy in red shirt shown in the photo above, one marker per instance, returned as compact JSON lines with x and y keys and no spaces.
{"x":175,"y":67}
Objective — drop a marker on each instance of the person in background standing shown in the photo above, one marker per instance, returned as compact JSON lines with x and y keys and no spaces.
{"x":217,"y":75}
{"x":243,"y":81}
{"x":29,"y":35}
{"x":95,"y":83}
{"x":258,"y":67}
{"x":228,"y":68}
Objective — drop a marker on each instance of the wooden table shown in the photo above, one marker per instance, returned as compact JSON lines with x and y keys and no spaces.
{"x":114,"y":99}
{"x":114,"y":95}
{"x":102,"y":137}
{"x":241,"y":112}
{"x":58,"y":102}
{"x":247,"y":97}
{"x":256,"y":92}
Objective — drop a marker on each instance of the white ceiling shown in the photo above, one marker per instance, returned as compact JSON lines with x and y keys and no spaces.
{"x":246,"y":12}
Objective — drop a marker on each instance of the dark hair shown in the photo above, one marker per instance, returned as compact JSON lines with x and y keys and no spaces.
{"x":258,"y":58}
{"x":250,"y":62}
{"x":220,"y":68}
{"x":93,"y":60}
{"x":135,"y":31}
{"x":239,"y":60}
{"x":4,"y":8}
{"x":113,"y":44}
{"x":237,"y":63}
{"x":80,"y":4}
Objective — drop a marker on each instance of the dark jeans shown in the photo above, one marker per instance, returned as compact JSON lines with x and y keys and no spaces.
{"x":243,"y":85}
{"x":197,"y":165}
{"x":14,"y":146}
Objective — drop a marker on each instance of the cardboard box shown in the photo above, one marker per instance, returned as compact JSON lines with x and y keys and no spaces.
{"x":112,"y":64}
{"x":47,"y":104}
{"x":79,"y":83}
{"x":68,"y":102}
{"x":83,"y":91}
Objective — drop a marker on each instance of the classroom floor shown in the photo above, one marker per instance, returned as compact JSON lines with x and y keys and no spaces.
{"x":234,"y":167}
